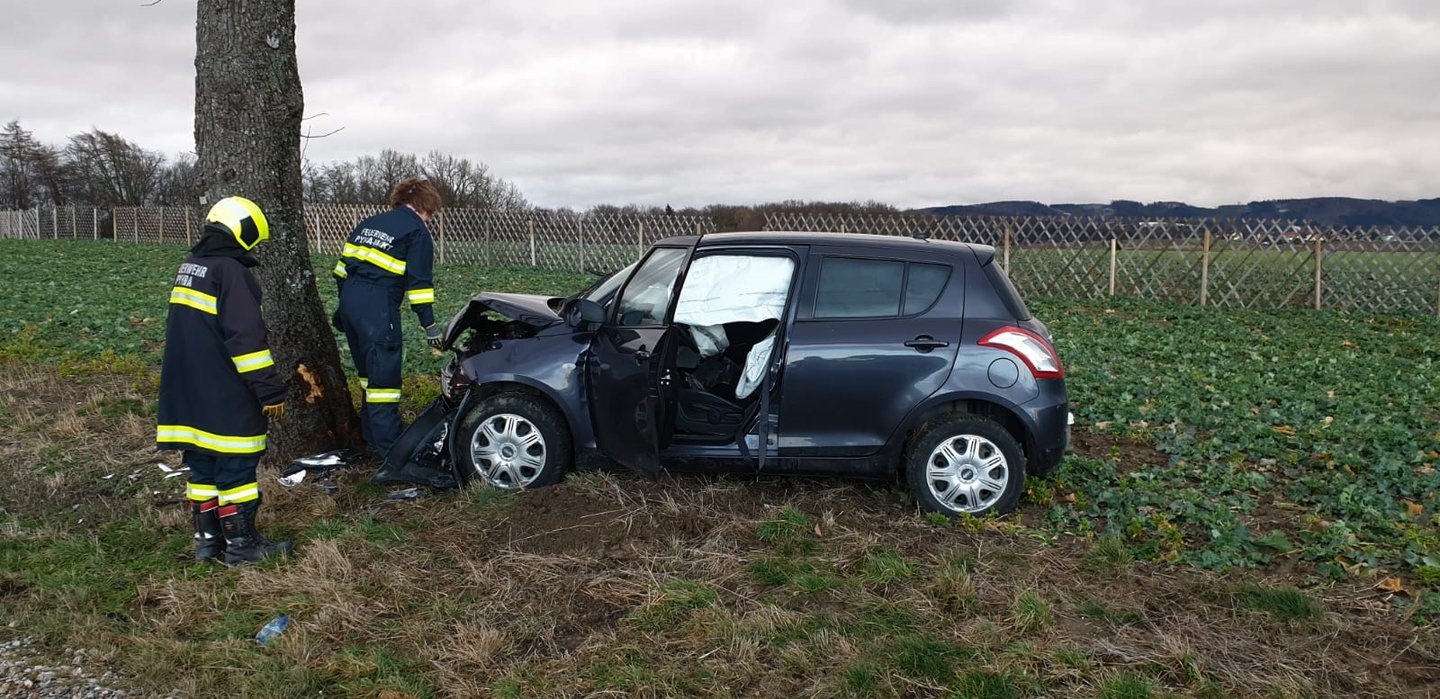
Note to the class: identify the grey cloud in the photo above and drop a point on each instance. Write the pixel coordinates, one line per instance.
(914, 103)
(930, 11)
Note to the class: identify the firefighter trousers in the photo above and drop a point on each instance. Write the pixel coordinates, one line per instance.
(227, 477)
(370, 318)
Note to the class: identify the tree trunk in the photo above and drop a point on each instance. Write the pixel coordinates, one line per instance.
(248, 108)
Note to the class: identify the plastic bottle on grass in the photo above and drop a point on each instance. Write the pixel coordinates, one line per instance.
(272, 629)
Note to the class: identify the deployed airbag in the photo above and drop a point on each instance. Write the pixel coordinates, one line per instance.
(728, 288)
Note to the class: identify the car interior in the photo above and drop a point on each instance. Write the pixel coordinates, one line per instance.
(727, 319)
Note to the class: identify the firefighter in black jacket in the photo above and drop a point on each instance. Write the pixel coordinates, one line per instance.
(218, 383)
(389, 258)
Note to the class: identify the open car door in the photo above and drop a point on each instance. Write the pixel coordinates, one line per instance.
(629, 374)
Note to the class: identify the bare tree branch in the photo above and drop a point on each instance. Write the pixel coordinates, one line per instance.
(305, 137)
(323, 135)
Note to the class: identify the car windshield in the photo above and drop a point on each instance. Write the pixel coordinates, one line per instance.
(601, 292)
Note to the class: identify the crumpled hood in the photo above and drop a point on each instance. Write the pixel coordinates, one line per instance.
(529, 309)
(526, 308)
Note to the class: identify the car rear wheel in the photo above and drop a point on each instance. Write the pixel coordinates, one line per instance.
(965, 464)
(511, 440)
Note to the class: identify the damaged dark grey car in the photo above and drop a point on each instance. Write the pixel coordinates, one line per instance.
(793, 353)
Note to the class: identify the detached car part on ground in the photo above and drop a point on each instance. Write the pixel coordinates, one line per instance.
(786, 353)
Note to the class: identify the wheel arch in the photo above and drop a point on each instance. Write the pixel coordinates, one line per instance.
(478, 394)
(1007, 416)
(577, 425)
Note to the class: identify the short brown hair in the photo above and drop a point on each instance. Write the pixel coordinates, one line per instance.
(418, 192)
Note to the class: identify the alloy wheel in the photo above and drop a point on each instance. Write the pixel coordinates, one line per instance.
(967, 473)
(508, 451)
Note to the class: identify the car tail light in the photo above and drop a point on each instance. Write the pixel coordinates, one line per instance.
(1032, 349)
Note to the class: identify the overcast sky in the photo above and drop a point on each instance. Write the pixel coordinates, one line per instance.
(918, 103)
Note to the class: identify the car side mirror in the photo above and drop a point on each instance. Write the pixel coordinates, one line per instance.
(584, 314)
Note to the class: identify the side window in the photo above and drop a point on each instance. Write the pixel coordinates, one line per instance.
(646, 295)
(924, 286)
(860, 288)
(855, 288)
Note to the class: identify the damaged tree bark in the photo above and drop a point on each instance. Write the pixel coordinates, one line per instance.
(248, 109)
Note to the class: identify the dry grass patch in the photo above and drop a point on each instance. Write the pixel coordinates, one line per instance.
(610, 584)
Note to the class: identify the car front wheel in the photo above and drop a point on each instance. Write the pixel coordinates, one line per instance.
(965, 464)
(511, 440)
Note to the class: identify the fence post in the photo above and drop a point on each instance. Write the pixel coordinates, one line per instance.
(1007, 247)
(55, 222)
(1114, 248)
(74, 225)
(440, 224)
(135, 222)
(582, 244)
(640, 240)
(1205, 270)
(162, 225)
(532, 243)
(488, 217)
(1318, 257)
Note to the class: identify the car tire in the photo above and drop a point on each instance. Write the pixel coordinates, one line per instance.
(512, 441)
(965, 464)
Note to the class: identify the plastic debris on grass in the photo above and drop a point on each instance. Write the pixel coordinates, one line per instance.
(318, 468)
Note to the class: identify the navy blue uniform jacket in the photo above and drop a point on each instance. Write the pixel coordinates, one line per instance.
(393, 249)
(217, 371)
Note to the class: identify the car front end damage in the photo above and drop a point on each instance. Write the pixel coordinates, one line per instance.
(489, 323)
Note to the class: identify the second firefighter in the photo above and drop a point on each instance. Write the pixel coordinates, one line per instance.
(388, 259)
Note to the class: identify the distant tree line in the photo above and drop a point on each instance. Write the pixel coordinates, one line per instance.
(103, 169)
(737, 217)
(94, 168)
(367, 180)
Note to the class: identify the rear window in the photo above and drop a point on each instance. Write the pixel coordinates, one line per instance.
(852, 287)
(1006, 291)
(924, 286)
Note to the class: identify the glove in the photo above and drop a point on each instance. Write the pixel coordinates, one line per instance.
(433, 335)
(275, 411)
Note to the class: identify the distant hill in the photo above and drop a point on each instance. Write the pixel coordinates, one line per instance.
(1329, 211)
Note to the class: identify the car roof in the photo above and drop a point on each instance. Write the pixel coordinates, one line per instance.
(862, 240)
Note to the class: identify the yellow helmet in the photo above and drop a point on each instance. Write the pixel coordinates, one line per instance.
(243, 218)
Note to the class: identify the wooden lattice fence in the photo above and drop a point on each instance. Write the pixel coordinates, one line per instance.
(1224, 263)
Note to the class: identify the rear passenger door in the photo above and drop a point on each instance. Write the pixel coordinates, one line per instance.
(875, 334)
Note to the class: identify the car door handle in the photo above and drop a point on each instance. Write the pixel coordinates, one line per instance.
(925, 343)
(641, 355)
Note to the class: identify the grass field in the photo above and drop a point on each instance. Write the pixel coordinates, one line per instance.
(1250, 510)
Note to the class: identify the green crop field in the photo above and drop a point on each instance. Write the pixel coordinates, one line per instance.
(1250, 510)
(1240, 276)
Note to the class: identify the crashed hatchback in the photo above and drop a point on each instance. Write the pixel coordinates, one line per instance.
(785, 353)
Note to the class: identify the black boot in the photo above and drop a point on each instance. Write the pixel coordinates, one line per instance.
(209, 537)
(242, 543)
